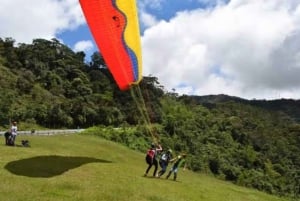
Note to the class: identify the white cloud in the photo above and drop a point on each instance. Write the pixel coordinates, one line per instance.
(147, 20)
(85, 45)
(26, 20)
(246, 48)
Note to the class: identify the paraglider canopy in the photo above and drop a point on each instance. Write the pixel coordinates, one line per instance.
(114, 26)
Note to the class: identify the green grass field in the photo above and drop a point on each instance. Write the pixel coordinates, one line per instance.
(88, 168)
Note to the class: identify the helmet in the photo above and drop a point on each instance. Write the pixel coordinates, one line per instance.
(170, 150)
(152, 145)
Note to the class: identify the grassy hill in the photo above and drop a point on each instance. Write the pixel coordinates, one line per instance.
(88, 168)
(289, 107)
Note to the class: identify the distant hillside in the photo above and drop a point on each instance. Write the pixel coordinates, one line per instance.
(289, 107)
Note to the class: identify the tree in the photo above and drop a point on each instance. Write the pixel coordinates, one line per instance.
(97, 60)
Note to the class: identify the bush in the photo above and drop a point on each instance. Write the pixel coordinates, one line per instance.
(214, 165)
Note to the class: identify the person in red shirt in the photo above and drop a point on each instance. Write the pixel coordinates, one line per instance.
(151, 158)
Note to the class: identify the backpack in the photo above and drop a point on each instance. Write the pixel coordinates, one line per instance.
(151, 153)
(25, 143)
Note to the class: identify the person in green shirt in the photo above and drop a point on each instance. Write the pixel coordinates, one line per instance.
(178, 161)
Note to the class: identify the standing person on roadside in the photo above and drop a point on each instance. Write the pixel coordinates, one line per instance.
(151, 158)
(14, 131)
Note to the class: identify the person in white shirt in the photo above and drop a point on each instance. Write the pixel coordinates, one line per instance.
(164, 161)
(14, 131)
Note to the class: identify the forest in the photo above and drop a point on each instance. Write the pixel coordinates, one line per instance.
(252, 143)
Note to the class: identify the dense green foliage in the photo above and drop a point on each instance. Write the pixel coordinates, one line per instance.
(251, 143)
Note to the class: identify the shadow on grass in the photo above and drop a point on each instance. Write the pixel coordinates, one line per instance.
(48, 166)
(161, 178)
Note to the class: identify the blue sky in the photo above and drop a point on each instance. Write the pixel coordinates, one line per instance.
(167, 9)
(244, 48)
(71, 37)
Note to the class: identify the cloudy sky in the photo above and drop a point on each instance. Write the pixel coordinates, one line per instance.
(244, 48)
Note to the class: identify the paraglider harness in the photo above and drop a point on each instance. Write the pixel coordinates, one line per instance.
(25, 143)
